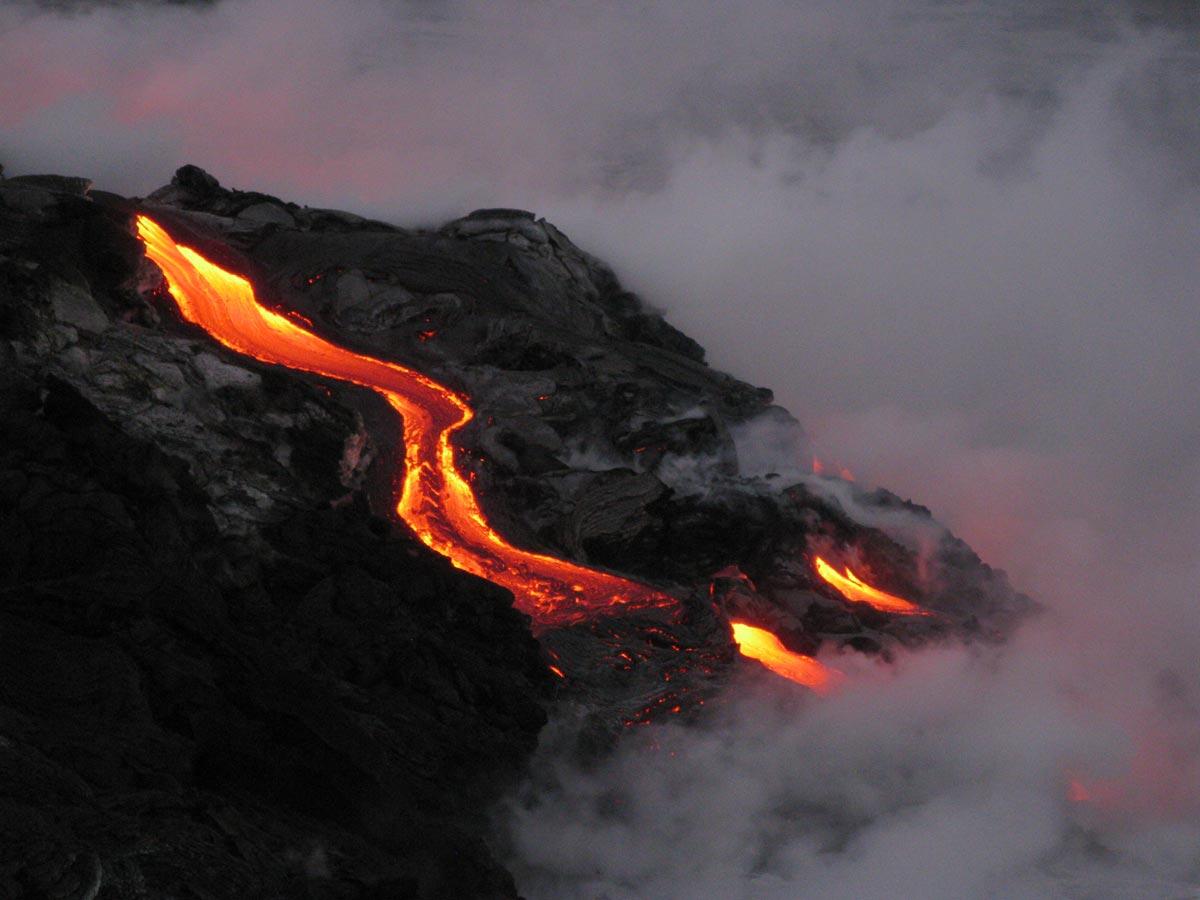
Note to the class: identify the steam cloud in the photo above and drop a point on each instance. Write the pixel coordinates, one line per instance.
(959, 241)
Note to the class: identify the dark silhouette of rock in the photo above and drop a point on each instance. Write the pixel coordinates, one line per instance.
(200, 703)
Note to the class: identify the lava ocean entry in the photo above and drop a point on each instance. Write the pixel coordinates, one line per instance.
(548, 453)
(204, 577)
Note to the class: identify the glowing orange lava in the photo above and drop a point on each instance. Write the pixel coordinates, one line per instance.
(436, 501)
(760, 644)
(854, 588)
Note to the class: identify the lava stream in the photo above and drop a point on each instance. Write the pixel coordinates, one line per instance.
(762, 645)
(854, 588)
(436, 501)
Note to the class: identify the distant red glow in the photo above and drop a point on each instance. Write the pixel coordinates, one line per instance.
(1105, 794)
(1160, 778)
(819, 466)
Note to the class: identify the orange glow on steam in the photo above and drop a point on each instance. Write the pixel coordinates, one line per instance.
(1096, 792)
(436, 501)
(854, 588)
(760, 644)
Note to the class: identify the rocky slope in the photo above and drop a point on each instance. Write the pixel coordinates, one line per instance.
(227, 674)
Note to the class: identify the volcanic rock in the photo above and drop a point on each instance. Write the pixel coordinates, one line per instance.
(225, 671)
(215, 682)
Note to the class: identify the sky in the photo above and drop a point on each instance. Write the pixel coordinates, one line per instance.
(959, 240)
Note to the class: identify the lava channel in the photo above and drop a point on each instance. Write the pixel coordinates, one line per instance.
(436, 501)
(854, 588)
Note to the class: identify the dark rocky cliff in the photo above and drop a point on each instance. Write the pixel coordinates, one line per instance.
(225, 673)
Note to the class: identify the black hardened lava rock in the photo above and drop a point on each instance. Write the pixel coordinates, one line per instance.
(225, 672)
(327, 716)
(240, 699)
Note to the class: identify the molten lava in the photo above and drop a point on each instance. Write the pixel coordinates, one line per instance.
(436, 501)
(854, 588)
(760, 644)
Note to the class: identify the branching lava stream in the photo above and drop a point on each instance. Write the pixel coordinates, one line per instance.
(435, 501)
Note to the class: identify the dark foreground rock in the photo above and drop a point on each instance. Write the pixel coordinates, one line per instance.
(224, 673)
(315, 707)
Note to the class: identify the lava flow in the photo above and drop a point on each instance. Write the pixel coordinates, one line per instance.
(436, 501)
(760, 644)
(854, 588)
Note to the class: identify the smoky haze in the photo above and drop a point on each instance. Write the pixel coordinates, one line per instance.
(960, 240)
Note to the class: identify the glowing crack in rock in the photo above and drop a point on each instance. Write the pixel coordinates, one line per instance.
(762, 645)
(436, 501)
(854, 588)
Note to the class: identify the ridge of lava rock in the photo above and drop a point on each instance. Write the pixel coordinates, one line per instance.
(211, 629)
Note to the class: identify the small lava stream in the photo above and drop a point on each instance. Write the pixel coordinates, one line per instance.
(760, 644)
(436, 501)
(854, 588)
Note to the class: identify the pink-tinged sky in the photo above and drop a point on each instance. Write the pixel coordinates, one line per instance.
(960, 241)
